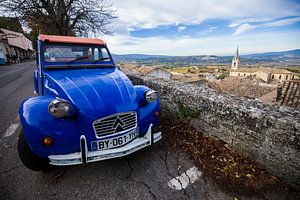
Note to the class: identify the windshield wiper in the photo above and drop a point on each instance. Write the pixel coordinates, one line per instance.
(79, 58)
(100, 59)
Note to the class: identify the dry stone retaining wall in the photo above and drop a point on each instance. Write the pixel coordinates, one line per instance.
(267, 134)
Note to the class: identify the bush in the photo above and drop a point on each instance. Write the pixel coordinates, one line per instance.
(222, 76)
(187, 112)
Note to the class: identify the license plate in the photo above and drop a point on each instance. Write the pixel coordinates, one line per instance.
(115, 141)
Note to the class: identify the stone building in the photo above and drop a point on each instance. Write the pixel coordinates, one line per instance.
(14, 46)
(160, 73)
(265, 74)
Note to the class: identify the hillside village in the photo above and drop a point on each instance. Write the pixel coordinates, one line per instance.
(258, 82)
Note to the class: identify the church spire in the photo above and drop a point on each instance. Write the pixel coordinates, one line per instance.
(235, 60)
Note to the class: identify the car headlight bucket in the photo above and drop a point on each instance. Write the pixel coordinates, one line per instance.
(151, 96)
(59, 108)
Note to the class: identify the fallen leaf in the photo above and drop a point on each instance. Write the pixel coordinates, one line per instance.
(249, 175)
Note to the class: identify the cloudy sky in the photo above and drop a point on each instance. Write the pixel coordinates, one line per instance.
(195, 27)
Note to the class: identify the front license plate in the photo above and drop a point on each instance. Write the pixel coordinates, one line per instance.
(115, 141)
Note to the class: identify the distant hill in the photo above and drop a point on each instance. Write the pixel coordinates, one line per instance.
(295, 52)
(291, 57)
(137, 56)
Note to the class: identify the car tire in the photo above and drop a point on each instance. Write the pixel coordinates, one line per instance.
(28, 158)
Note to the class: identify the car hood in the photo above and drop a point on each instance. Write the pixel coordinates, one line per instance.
(95, 93)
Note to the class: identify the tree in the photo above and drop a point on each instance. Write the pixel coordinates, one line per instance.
(11, 23)
(63, 17)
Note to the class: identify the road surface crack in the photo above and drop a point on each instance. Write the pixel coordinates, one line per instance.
(9, 170)
(170, 174)
(59, 175)
(190, 181)
(138, 181)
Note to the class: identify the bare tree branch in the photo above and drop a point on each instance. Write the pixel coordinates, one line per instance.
(63, 17)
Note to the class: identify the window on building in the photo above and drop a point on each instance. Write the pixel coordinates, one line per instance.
(273, 76)
(234, 64)
(279, 76)
(239, 74)
(286, 77)
(244, 74)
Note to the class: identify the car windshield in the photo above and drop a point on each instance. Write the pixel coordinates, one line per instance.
(68, 54)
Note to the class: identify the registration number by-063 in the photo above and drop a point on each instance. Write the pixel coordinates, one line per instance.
(115, 141)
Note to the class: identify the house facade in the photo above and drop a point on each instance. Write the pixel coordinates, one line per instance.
(160, 73)
(14, 46)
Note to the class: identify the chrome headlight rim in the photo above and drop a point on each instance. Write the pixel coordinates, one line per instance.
(59, 108)
(151, 96)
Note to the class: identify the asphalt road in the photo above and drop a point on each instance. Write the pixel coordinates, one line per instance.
(147, 174)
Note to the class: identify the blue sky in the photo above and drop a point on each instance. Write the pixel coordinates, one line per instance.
(195, 27)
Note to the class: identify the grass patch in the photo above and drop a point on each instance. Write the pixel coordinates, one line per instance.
(187, 112)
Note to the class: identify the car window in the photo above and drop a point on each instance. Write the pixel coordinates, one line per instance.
(71, 53)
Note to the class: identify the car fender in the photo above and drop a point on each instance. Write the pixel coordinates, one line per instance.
(146, 110)
(37, 123)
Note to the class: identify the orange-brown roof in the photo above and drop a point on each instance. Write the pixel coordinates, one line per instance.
(69, 39)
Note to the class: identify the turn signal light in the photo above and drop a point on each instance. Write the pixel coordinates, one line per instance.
(47, 141)
(156, 114)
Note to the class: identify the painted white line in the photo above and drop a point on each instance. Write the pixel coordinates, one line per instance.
(11, 129)
(182, 181)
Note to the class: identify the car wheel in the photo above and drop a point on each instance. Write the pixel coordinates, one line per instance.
(28, 158)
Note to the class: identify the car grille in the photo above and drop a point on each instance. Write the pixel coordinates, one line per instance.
(115, 123)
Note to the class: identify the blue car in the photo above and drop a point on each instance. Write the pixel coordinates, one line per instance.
(86, 109)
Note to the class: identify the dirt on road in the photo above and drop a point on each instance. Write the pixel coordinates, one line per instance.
(230, 170)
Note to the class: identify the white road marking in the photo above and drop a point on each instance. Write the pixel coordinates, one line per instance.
(182, 181)
(11, 129)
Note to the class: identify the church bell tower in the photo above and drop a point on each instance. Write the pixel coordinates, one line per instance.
(236, 60)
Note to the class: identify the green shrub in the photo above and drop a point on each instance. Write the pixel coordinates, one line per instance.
(222, 76)
(187, 112)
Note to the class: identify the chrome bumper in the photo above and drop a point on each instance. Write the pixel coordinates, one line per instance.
(86, 156)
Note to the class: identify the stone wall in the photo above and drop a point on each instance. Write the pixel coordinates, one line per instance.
(267, 134)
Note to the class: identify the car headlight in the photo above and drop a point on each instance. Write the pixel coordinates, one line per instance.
(59, 108)
(151, 96)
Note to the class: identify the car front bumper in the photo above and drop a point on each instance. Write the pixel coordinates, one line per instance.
(85, 156)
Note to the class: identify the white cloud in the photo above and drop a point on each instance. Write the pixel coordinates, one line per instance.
(283, 22)
(233, 24)
(152, 13)
(137, 15)
(221, 45)
(243, 28)
(247, 27)
(181, 28)
(241, 21)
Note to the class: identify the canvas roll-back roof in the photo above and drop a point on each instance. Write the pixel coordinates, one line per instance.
(70, 39)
